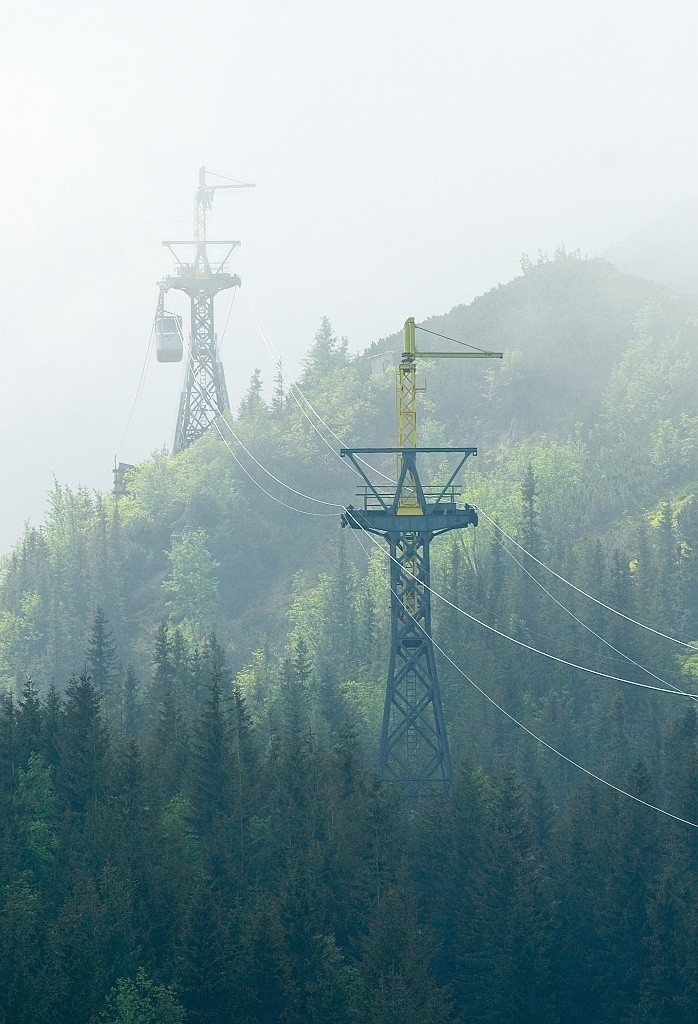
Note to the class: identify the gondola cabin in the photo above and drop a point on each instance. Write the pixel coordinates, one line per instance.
(168, 339)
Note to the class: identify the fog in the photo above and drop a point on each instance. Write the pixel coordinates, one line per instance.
(404, 156)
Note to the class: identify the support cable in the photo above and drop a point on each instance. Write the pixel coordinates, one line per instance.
(296, 390)
(227, 319)
(224, 177)
(628, 618)
(137, 396)
(293, 387)
(455, 341)
(529, 647)
(584, 625)
(668, 688)
(535, 736)
(301, 494)
(279, 501)
(290, 384)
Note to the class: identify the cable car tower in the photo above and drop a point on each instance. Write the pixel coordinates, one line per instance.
(204, 394)
(414, 746)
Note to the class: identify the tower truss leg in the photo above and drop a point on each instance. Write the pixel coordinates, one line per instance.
(204, 395)
(414, 745)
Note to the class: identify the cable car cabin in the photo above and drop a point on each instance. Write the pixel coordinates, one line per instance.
(168, 339)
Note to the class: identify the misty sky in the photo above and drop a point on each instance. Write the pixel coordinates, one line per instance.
(405, 155)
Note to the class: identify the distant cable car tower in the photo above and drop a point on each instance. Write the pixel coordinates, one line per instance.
(204, 394)
(414, 745)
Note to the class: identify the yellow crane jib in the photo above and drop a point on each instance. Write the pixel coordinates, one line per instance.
(409, 503)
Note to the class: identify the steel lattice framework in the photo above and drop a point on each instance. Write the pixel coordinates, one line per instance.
(204, 394)
(414, 746)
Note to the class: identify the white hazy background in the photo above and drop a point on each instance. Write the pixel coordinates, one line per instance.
(405, 154)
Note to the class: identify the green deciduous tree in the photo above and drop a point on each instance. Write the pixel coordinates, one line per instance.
(141, 1001)
(193, 584)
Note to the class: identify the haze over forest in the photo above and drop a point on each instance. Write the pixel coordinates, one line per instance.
(166, 795)
(193, 829)
(404, 158)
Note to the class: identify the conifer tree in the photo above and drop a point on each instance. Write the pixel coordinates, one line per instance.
(102, 664)
(162, 661)
(530, 532)
(278, 400)
(51, 726)
(296, 672)
(668, 568)
(21, 997)
(322, 353)
(688, 576)
(252, 404)
(9, 752)
(169, 748)
(83, 747)
(398, 980)
(681, 777)
(29, 729)
(207, 960)
(333, 988)
(36, 800)
(211, 760)
(130, 703)
(162, 681)
(245, 774)
(267, 989)
(128, 803)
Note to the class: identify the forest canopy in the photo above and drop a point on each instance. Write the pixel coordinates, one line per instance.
(193, 678)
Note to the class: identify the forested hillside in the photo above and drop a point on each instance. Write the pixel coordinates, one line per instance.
(596, 394)
(192, 818)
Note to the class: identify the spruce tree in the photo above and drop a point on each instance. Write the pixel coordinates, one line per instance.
(397, 975)
(252, 404)
(83, 748)
(530, 531)
(103, 666)
(211, 761)
(278, 399)
(130, 703)
(29, 728)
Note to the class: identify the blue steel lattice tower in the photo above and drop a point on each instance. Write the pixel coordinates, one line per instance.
(414, 746)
